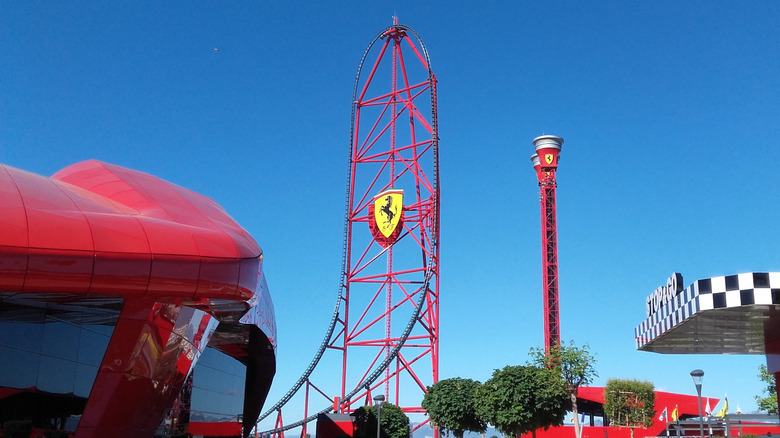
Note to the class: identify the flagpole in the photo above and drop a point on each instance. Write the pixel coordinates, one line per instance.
(676, 419)
(666, 420)
(665, 416)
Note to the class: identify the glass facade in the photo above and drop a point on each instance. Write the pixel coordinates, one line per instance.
(50, 356)
(217, 388)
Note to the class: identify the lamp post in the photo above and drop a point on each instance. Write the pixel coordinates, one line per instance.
(697, 376)
(378, 400)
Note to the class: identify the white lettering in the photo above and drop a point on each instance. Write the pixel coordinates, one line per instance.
(664, 294)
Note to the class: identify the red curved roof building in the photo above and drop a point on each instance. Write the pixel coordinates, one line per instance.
(113, 283)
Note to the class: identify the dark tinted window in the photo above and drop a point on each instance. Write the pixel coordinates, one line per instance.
(217, 388)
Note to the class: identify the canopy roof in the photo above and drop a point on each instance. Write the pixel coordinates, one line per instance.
(732, 314)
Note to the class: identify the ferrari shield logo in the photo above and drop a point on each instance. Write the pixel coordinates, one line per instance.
(548, 158)
(386, 216)
(387, 210)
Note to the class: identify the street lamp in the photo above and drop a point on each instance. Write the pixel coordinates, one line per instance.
(698, 376)
(378, 400)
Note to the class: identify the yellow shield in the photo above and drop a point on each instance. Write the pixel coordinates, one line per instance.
(548, 158)
(388, 207)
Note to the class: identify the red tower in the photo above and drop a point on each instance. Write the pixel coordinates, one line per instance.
(389, 334)
(545, 162)
(385, 326)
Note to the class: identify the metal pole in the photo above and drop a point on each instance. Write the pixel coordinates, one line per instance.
(701, 417)
(698, 376)
(378, 401)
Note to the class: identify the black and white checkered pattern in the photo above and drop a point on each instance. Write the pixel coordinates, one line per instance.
(752, 288)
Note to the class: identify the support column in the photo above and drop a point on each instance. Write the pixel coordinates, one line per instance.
(144, 368)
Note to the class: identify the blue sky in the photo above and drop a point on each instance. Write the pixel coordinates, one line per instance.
(670, 113)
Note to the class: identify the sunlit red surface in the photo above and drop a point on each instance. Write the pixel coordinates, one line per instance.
(184, 271)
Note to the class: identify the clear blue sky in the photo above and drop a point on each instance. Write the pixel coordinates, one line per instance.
(670, 112)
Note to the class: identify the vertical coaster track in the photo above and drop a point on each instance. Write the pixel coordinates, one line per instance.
(384, 332)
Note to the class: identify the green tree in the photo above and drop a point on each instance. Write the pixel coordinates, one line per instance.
(394, 422)
(575, 366)
(629, 403)
(450, 406)
(768, 403)
(522, 399)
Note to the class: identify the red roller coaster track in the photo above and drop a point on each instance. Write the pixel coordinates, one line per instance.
(385, 326)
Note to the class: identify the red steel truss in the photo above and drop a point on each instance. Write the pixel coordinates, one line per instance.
(391, 300)
(545, 162)
(385, 325)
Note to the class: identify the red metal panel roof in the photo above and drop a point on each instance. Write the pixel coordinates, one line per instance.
(101, 228)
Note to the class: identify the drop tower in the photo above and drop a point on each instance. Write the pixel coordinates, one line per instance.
(545, 162)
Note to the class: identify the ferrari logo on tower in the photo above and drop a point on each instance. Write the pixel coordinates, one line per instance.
(548, 158)
(387, 210)
(386, 216)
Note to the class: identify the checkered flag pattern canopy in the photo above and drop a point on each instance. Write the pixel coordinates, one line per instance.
(725, 314)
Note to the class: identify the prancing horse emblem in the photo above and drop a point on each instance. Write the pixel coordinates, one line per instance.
(387, 214)
(388, 211)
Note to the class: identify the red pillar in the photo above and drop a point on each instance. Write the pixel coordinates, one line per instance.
(545, 163)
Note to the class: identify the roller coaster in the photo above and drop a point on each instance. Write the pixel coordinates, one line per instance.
(384, 330)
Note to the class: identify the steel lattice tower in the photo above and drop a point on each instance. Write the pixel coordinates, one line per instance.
(545, 162)
(391, 318)
(385, 324)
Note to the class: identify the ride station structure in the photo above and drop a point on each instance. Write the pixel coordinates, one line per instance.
(726, 314)
(545, 162)
(116, 288)
(384, 331)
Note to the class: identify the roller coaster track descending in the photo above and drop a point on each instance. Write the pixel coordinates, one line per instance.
(384, 331)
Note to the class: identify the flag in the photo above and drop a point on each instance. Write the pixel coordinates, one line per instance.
(662, 417)
(707, 409)
(675, 413)
(725, 409)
